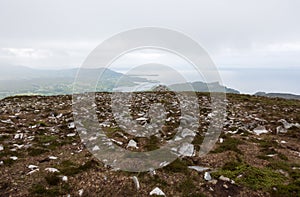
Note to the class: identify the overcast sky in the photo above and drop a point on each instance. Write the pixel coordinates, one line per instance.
(263, 36)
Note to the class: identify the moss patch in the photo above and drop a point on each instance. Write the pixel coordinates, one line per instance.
(249, 176)
(177, 166)
(229, 144)
(68, 168)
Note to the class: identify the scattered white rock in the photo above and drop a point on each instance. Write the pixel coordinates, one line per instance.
(32, 127)
(188, 133)
(93, 138)
(232, 132)
(287, 125)
(52, 157)
(18, 146)
(1, 147)
(260, 130)
(141, 114)
(71, 134)
(80, 192)
(71, 125)
(32, 171)
(213, 181)
(64, 178)
(136, 182)
(96, 148)
(1, 163)
(141, 119)
(32, 167)
(198, 168)
(132, 144)
(281, 129)
(207, 176)
(117, 142)
(186, 149)
(152, 171)
(163, 164)
(19, 136)
(14, 158)
(283, 142)
(225, 186)
(9, 121)
(223, 178)
(157, 191)
(52, 170)
(221, 140)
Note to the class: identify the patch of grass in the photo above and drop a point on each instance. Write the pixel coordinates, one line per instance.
(68, 168)
(229, 144)
(177, 166)
(277, 165)
(267, 143)
(232, 165)
(198, 139)
(293, 132)
(5, 152)
(52, 179)
(286, 166)
(156, 180)
(40, 190)
(263, 157)
(282, 156)
(8, 162)
(187, 186)
(292, 189)
(249, 176)
(36, 151)
(152, 143)
(110, 132)
(41, 123)
(46, 138)
(3, 137)
(268, 151)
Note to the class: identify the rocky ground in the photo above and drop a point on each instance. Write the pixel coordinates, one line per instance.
(257, 154)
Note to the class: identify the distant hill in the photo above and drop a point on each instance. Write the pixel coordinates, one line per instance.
(16, 80)
(203, 87)
(278, 95)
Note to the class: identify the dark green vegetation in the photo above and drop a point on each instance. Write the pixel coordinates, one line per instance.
(230, 144)
(252, 177)
(68, 168)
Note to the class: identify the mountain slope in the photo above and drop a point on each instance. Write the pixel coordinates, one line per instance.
(203, 87)
(278, 95)
(22, 80)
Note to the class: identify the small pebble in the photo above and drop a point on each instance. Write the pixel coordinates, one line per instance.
(64, 178)
(157, 191)
(80, 192)
(207, 176)
(14, 158)
(52, 170)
